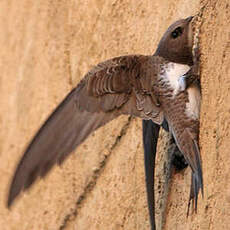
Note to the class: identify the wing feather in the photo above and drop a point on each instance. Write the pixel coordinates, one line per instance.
(106, 92)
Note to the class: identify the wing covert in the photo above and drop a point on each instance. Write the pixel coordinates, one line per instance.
(107, 91)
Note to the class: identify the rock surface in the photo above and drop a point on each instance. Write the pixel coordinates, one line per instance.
(46, 48)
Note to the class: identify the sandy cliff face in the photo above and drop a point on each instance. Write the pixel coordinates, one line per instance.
(46, 48)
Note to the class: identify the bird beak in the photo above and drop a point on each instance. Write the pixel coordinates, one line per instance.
(189, 19)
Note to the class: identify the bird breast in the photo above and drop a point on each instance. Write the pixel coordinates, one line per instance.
(173, 76)
(193, 104)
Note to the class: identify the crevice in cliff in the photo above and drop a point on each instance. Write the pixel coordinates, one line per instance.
(163, 181)
(96, 175)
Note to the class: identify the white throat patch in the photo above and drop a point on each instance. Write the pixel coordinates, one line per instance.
(173, 75)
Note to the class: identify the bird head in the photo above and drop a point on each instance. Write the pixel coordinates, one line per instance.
(176, 44)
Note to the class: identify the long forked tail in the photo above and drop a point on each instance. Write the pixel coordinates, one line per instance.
(190, 149)
(194, 191)
(196, 181)
(64, 130)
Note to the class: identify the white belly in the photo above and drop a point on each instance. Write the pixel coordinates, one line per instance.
(173, 76)
(193, 106)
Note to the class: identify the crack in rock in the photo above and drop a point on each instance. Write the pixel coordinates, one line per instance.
(89, 187)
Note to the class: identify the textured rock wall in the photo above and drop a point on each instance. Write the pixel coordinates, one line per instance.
(213, 209)
(46, 48)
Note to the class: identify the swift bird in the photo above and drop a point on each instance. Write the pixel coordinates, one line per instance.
(151, 134)
(150, 87)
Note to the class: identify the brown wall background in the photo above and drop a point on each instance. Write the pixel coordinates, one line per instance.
(46, 48)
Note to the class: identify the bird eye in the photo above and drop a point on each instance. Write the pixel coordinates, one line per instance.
(177, 32)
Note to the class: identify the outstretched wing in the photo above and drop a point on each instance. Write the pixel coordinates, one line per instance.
(114, 87)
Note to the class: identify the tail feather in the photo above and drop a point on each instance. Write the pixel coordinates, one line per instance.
(196, 182)
(198, 174)
(189, 147)
(193, 196)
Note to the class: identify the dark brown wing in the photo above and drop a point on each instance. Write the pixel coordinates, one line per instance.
(114, 87)
(150, 138)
